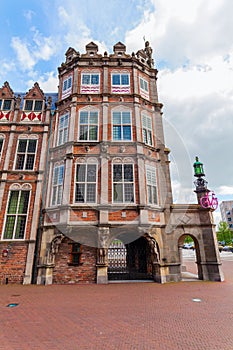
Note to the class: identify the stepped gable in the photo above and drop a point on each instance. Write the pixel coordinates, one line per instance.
(35, 93)
(6, 92)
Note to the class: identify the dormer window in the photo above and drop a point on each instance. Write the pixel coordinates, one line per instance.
(33, 105)
(5, 105)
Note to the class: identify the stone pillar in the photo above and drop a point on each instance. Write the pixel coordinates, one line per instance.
(102, 255)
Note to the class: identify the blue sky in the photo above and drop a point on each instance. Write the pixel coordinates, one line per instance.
(193, 51)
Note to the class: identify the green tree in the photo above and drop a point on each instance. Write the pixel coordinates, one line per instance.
(224, 233)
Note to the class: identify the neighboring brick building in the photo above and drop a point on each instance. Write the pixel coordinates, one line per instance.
(108, 211)
(24, 127)
(226, 208)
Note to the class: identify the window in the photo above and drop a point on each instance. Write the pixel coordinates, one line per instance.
(88, 126)
(58, 175)
(123, 183)
(5, 105)
(75, 254)
(63, 129)
(16, 215)
(1, 145)
(151, 185)
(120, 83)
(229, 219)
(90, 83)
(147, 130)
(121, 126)
(67, 83)
(144, 85)
(25, 157)
(86, 178)
(33, 105)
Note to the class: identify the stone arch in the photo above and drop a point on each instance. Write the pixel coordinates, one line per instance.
(197, 250)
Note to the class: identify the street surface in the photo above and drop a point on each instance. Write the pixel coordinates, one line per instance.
(136, 316)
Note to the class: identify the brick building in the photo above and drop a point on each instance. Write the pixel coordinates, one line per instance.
(108, 211)
(24, 126)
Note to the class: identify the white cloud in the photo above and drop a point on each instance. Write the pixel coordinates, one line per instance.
(225, 190)
(29, 14)
(23, 53)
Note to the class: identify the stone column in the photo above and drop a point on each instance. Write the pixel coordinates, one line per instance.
(102, 255)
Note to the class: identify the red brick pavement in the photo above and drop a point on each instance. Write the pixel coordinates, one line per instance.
(134, 316)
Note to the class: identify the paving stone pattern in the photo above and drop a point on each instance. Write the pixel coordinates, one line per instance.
(134, 316)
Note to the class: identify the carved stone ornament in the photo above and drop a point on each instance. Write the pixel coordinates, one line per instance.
(54, 246)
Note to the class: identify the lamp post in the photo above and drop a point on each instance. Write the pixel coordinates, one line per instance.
(200, 183)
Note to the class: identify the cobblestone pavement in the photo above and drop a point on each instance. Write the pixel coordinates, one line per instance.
(135, 316)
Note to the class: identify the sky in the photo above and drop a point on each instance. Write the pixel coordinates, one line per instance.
(193, 52)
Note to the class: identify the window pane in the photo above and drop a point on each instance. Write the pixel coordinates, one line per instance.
(149, 194)
(81, 173)
(38, 106)
(116, 118)
(86, 79)
(79, 195)
(28, 105)
(117, 172)
(116, 132)
(128, 172)
(32, 146)
(54, 195)
(126, 133)
(13, 201)
(83, 132)
(9, 227)
(129, 193)
(91, 173)
(20, 161)
(116, 79)
(149, 137)
(20, 227)
(22, 146)
(30, 162)
(59, 194)
(60, 175)
(1, 143)
(93, 117)
(95, 79)
(64, 85)
(154, 194)
(69, 82)
(6, 105)
(93, 133)
(83, 118)
(144, 135)
(91, 192)
(23, 203)
(126, 118)
(0, 104)
(118, 193)
(125, 79)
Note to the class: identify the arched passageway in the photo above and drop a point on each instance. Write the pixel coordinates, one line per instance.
(131, 261)
(189, 251)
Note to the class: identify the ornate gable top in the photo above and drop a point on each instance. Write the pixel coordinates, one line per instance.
(6, 91)
(35, 93)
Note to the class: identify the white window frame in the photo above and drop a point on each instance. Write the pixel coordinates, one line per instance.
(147, 130)
(2, 102)
(144, 85)
(120, 88)
(90, 87)
(123, 183)
(26, 154)
(122, 125)
(151, 185)
(57, 187)
(85, 183)
(67, 86)
(63, 129)
(17, 214)
(88, 125)
(33, 106)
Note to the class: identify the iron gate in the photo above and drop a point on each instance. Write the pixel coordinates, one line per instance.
(129, 262)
